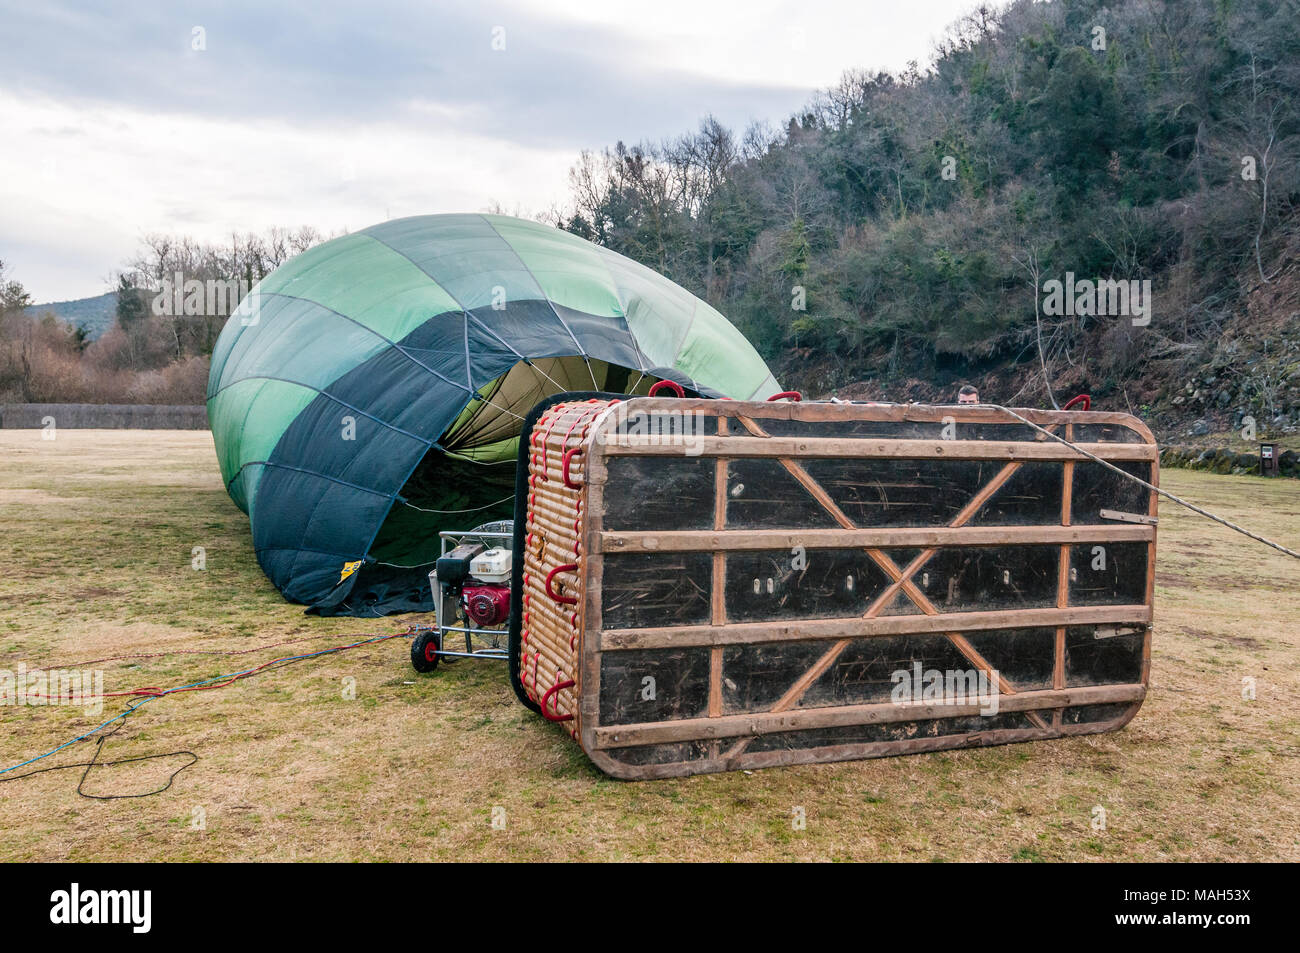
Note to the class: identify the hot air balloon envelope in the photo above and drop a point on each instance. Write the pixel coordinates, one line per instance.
(368, 393)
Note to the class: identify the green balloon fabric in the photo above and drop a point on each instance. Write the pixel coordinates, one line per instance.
(368, 393)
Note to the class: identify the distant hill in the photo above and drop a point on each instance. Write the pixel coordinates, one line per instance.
(96, 315)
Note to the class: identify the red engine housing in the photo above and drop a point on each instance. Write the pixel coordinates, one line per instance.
(485, 603)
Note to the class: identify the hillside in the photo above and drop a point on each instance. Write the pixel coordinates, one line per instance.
(96, 314)
(903, 233)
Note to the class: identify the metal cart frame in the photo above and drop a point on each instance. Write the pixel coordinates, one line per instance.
(499, 534)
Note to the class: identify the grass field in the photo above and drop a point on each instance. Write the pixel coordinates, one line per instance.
(98, 529)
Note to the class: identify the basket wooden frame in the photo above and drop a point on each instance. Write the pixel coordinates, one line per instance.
(568, 495)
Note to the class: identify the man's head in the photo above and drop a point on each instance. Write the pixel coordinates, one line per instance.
(968, 395)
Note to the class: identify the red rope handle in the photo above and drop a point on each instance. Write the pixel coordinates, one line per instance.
(793, 395)
(565, 461)
(563, 600)
(546, 699)
(585, 420)
(1084, 399)
(676, 388)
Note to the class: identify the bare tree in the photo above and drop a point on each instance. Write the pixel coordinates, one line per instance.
(1266, 131)
(1030, 263)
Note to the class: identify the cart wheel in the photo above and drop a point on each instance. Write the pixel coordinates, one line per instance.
(424, 651)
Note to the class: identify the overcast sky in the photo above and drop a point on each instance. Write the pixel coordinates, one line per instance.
(118, 119)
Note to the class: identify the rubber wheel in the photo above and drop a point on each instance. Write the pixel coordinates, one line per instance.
(424, 651)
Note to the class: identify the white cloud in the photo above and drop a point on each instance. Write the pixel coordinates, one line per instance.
(356, 120)
(806, 43)
(69, 200)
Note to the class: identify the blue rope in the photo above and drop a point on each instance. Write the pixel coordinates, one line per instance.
(135, 705)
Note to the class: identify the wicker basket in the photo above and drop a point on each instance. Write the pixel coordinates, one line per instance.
(715, 585)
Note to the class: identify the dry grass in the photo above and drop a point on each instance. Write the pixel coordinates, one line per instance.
(98, 529)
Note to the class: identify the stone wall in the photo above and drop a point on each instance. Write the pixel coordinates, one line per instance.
(104, 416)
(1224, 460)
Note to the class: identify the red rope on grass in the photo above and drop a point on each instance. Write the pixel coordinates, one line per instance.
(155, 692)
(120, 658)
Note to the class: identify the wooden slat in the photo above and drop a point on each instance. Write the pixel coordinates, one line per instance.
(917, 745)
(762, 723)
(1063, 577)
(918, 413)
(588, 658)
(821, 754)
(719, 590)
(1058, 662)
(857, 448)
(715, 681)
(855, 627)
(719, 617)
(737, 540)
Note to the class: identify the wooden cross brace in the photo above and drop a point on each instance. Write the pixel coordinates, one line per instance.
(901, 582)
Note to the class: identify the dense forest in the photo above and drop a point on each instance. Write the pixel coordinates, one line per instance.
(916, 218)
(897, 235)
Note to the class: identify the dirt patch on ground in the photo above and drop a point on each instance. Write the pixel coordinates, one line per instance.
(1244, 641)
